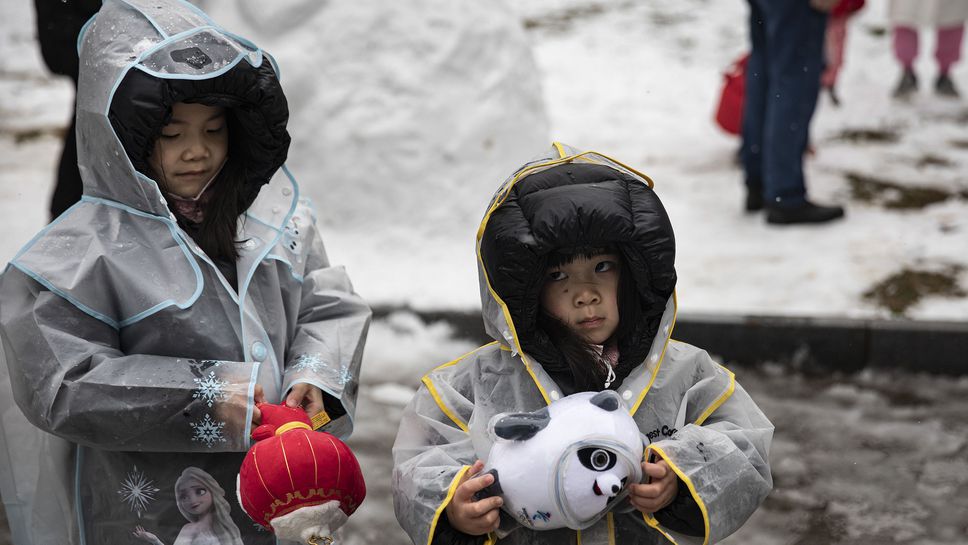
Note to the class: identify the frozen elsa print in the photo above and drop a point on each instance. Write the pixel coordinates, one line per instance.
(202, 502)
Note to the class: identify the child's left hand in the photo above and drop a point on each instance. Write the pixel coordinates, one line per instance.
(307, 396)
(651, 497)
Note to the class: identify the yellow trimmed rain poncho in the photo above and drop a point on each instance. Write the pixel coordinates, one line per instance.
(689, 409)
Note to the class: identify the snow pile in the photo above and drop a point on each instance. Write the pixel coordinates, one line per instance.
(405, 117)
(401, 348)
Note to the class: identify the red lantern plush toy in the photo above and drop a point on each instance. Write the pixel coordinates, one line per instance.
(298, 483)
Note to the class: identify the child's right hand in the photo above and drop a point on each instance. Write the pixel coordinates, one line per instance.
(141, 533)
(258, 397)
(474, 517)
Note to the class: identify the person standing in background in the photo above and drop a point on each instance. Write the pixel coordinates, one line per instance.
(58, 24)
(782, 85)
(836, 38)
(948, 18)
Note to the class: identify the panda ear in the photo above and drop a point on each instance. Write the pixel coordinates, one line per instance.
(521, 426)
(605, 400)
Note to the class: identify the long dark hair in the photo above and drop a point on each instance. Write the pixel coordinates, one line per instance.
(216, 233)
(582, 359)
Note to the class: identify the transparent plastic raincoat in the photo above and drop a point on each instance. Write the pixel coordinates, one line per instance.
(690, 410)
(129, 351)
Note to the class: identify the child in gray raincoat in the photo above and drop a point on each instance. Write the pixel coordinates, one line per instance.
(576, 261)
(140, 328)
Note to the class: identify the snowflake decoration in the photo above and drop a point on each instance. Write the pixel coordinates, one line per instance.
(210, 389)
(137, 491)
(208, 431)
(309, 362)
(344, 376)
(199, 366)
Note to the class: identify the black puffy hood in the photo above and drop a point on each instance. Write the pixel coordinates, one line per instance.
(138, 58)
(258, 114)
(574, 200)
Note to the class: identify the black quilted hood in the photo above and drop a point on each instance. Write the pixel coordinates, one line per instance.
(257, 113)
(579, 204)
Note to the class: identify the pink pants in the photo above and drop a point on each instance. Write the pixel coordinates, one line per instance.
(833, 47)
(947, 52)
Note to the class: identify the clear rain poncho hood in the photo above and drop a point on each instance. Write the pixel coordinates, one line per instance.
(126, 346)
(690, 411)
(175, 54)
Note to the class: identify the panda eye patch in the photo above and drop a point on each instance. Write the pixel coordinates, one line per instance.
(597, 459)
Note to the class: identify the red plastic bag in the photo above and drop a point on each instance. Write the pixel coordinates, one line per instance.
(729, 114)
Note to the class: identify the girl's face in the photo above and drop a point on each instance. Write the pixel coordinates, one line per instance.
(583, 295)
(190, 149)
(194, 498)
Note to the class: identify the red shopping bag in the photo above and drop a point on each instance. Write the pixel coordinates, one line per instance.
(729, 114)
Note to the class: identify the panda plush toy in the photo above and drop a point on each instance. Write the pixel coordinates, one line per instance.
(567, 464)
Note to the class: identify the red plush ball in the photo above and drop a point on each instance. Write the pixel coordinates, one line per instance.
(295, 481)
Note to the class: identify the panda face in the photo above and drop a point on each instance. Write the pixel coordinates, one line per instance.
(601, 460)
(565, 464)
(591, 478)
(597, 459)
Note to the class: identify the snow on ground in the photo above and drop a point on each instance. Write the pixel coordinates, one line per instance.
(635, 80)
(640, 80)
(873, 458)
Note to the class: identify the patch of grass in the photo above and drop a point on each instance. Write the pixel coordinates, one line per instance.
(934, 161)
(665, 18)
(876, 30)
(876, 136)
(905, 288)
(894, 196)
(957, 143)
(28, 135)
(563, 21)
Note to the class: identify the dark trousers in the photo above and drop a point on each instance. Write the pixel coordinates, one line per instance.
(782, 84)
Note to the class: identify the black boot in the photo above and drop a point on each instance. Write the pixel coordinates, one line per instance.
(805, 213)
(754, 196)
(907, 85)
(834, 97)
(945, 87)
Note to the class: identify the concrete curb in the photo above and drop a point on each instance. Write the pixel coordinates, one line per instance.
(807, 344)
(831, 344)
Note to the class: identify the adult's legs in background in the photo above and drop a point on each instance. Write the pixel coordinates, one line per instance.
(947, 53)
(906, 51)
(834, 42)
(754, 110)
(905, 45)
(786, 73)
(794, 36)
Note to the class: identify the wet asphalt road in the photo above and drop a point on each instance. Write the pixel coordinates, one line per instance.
(871, 458)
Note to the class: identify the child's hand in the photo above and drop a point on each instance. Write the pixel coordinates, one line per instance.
(307, 396)
(141, 533)
(468, 515)
(258, 397)
(649, 498)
